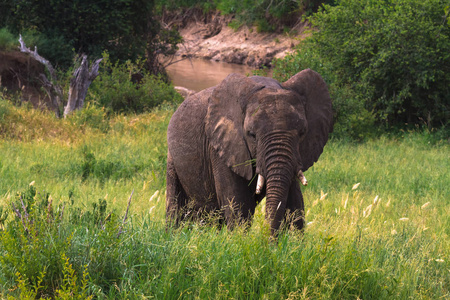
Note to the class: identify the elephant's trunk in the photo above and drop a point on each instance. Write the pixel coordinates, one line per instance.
(280, 167)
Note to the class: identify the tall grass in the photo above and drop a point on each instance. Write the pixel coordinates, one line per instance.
(377, 220)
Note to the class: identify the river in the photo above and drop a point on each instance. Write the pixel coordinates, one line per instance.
(197, 74)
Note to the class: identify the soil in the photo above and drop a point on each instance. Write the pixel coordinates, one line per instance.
(214, 39)
(20, 72)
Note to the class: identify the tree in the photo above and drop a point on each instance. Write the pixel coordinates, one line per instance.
(79, 83)
(395, 54)
(388, 57)
(124, 28)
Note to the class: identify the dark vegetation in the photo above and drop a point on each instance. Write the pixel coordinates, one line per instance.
(266, 15)
(126, 29)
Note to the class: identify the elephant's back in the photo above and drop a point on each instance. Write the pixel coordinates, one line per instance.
(189, 118)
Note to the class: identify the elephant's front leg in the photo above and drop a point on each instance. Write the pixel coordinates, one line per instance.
(235, 197)
(295, 208)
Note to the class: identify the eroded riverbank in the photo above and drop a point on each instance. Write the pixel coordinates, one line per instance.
(216, 41)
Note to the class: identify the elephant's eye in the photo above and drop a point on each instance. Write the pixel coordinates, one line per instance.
(252, 134)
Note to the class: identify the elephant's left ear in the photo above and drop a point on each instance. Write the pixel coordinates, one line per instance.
(225, 119)
(319, 113)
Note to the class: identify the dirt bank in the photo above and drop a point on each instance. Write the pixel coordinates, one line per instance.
(20, 73)
(214, 39)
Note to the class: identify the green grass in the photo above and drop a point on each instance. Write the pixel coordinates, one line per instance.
(386, 238)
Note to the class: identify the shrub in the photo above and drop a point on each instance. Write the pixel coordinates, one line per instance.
(395, 54)
(7, 40)
(391, 58)
(126, 88)
(351, 117)
(33, 247)
(44, 252)
(52, 47)
(4, 109)
(90, 116)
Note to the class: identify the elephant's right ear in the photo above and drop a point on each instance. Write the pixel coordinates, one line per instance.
(225, 119)
(319, 113)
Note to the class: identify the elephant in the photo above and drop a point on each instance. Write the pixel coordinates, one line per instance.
(247, 138)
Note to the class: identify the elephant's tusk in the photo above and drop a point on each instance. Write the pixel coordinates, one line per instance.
(302, 178)
(259, 184)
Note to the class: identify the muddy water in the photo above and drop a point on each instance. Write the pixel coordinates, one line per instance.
(197, 74)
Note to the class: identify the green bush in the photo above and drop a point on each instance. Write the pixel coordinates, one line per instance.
(105, 169)
(387, 59)
(351, 117)
(7, 40)
(4, 109)
(264, 14)
(90, 116)
(171, 5)
(128, 88)
(51, 46)
(395, 54)
(34, 246)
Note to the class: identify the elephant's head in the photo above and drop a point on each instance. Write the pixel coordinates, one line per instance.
(276, 131)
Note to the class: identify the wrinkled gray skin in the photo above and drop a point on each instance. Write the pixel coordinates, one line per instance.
(222, 138)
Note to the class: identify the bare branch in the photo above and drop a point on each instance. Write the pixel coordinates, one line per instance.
(54, 91)
(36, 56)
(93, 73)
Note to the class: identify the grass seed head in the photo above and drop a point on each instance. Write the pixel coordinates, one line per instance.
(155, 194)
(425, 205)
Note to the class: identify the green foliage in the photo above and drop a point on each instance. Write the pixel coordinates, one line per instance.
(52, 46)
(33, 247)
(90, 116)
(393, 56)
(4, 111)
(265, 15)
(173, 5)
(351, 119)
(125, 28)
(7, 40)
(105, 168)
(71, 287)
(128, 88)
